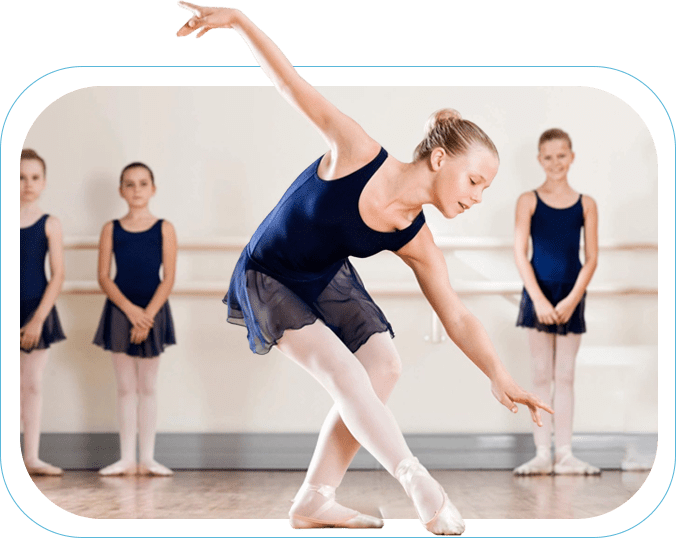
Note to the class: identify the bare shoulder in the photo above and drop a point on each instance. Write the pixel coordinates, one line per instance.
(588, 203)
(526, 202)
(168, 228)
(52, 225)
(344, 159)
(419, 249)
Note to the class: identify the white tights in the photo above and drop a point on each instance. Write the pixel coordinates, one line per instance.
(359, 384)
(137, 411)
(554, 368)
(31, 372)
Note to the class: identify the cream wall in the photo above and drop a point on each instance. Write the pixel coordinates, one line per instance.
(222, 157)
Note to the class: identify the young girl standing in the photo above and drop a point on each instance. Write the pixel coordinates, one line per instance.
(552, 306)
(40, 326)
(136, 324)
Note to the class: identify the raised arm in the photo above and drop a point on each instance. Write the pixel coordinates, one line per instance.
(347, 141)
(429, 266)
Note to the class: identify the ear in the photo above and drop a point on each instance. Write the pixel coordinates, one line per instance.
(572, 156)
(436, 158)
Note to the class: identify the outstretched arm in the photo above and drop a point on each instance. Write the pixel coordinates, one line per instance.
(429, 267)
(348, 142)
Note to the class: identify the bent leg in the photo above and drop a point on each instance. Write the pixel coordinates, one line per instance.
(324, 356)
(336, 447)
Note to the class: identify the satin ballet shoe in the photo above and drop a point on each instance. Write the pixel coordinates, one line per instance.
(320, 518)
(541, 464)
(569, 464)
(44, 469)
(447, 519)
(154, 469)
(119, 469)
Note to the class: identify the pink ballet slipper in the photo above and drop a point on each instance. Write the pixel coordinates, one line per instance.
(154, 469)
(44, 469)
(447, 520)
(321, 517)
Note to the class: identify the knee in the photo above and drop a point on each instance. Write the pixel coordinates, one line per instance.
(386, 372)
(146, 390)
(126, 390)
(565, 378)
(30, 388)
(542, 375)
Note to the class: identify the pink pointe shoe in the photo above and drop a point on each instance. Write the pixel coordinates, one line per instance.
(447, 520)
(342, 518)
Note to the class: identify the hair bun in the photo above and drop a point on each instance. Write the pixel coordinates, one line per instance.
(441, 116)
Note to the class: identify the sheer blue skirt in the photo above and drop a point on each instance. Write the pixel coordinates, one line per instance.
(554, 292)
(51, 328)
(267, 307)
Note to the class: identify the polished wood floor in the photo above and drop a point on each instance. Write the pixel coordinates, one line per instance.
(267, 494)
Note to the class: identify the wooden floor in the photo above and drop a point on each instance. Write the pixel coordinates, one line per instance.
(267, 494)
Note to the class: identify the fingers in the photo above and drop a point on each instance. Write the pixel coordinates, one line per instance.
(190, 7)
(535, 415)
(189, 27)
(204, 31)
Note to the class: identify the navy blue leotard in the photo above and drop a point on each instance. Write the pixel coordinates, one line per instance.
(556, 262)
(33, 251)
(138, 258)
(295, 268)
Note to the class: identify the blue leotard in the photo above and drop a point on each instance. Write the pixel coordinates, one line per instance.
(138, 258)
(556, 263)
(33, 251)
(295, 268)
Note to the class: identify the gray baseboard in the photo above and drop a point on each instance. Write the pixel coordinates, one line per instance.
(293, 451)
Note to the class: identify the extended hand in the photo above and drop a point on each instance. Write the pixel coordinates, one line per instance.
(206, 18)
(508, 393)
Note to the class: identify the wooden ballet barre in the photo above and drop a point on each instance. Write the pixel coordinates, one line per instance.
(237, 244)
(197, 289)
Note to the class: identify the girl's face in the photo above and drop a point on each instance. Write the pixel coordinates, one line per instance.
(32, 180)
(463, 179)
(137, 187)
(555, 157)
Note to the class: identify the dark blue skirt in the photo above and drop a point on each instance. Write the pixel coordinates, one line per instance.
(268, 308)
(51, 328)
(114, 332)
(554, 292)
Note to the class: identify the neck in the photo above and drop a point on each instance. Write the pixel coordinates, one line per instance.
(556, 185)
(138, 213)
(412, 186)
(29, 207)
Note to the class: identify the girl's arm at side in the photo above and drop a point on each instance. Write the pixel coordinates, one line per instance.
(525, 207)
(591, 255)
(54, 235)
(168, 269)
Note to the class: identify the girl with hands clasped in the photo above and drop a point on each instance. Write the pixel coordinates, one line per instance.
(136, 324)
(552, 306)
(40, 326)
(295, 288)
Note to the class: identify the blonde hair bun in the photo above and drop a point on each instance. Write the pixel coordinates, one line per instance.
(446, 129)
(441, 116)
